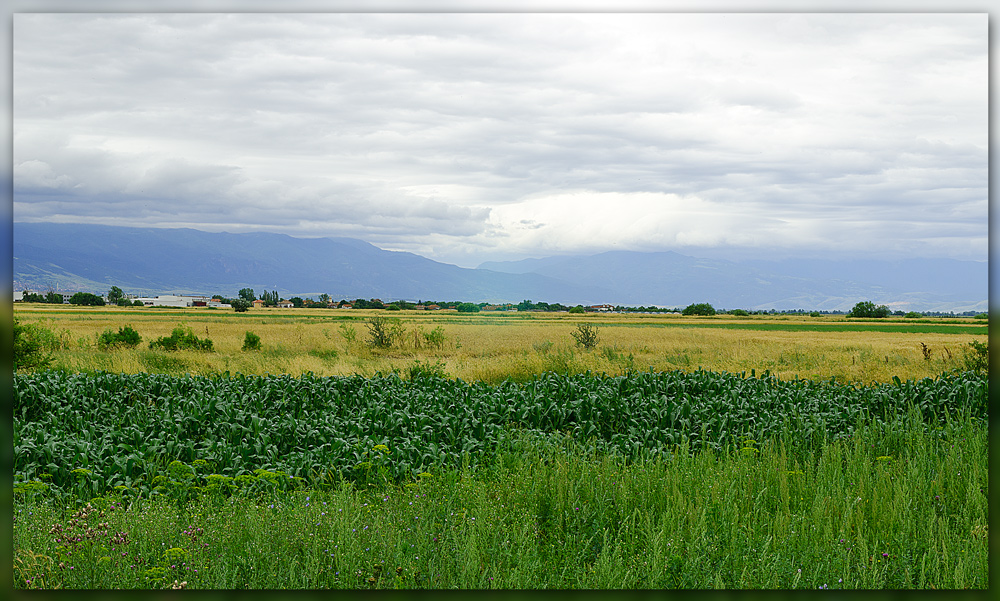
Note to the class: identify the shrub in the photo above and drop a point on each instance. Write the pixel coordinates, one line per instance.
(28, 351)
(814, 314)
(348, 333)
(577, 309)
(427, 370)
(181, 339)
(698, 309)
(239, 305)
(251, 342)
(585, 335)
(383, 331)
(125, 337)
(911, 315)
(977, 357)
(435, 337)
(739, 312)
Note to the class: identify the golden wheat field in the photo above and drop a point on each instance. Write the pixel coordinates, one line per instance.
(494, 346)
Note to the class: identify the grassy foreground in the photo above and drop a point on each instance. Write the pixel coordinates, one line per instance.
(888, 508)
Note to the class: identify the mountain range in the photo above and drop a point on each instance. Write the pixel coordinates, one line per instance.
(92, 258)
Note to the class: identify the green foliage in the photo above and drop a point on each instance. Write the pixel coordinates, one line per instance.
(911, 315)
(814, 314)
(348, 333)
(982, 316)
(29, 352)
(435, 337)
(577, 309)
(739, 312)
(251, 342)
(125, 337)
(54, 298)
(86, 299)
(698, 309)
(427, 370)
(977, 357)
(869, 309)
(181, 339)
(270, 298)
(115, 295)
(240, 305)
(296, 424)
(585, 335)
(468, 308)
(383, 332)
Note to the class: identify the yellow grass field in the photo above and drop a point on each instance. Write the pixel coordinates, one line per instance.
(492, 346)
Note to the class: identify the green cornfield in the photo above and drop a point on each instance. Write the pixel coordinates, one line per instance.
(675, 479)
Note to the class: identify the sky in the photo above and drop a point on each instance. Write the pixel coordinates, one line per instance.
(470, 137)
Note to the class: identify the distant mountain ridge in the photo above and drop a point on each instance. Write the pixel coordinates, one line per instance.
(156, 261)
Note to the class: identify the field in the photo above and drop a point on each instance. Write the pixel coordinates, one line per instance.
(490, 451)
(492, 347)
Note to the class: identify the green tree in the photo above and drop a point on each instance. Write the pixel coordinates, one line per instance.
(53, 298)
(248, 295)
(86, 299)
(869, 309)
(577, 309)
(324, 299)
(115, 295)
(468, 308)
(698, 309)
(240, 305)
(297, 302)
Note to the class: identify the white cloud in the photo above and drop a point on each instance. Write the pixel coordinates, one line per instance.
(472, 136)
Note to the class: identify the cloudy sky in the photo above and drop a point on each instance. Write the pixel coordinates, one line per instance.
(474, 137)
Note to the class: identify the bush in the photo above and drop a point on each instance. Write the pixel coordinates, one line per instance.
(585, 335)
(251, 342)
(814, 314)
(383, 332)
(911, 315)
(239, 305)
(435, 337)
(181, 339)
(29, 352)
(698, 309)
(427, 370)
(125, 337)
(869, 309)
(577, 309)
(977, 357)
(739, 312)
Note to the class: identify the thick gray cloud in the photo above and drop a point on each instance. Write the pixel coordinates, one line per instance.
(467, 137)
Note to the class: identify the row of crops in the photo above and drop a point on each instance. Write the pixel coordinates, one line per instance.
(108, 430)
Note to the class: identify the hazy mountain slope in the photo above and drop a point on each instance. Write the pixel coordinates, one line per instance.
(674, 279)
(184, 260)
(143, 260)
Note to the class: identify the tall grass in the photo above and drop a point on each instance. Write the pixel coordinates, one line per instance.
(492, 347)
(884, 509)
